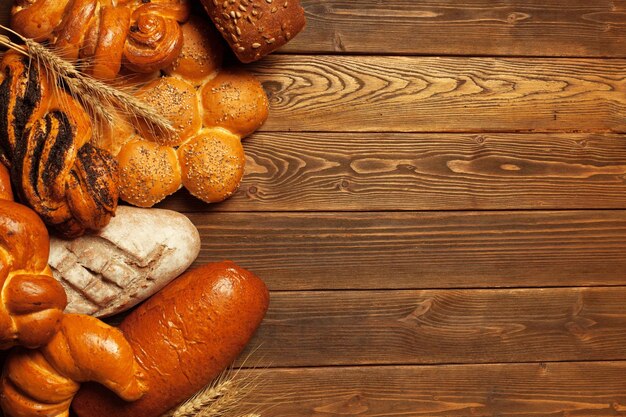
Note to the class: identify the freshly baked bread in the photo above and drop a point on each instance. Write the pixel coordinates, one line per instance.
(175, 99)
(202, 52)
(44, 139)
(43, 382)
(234, 100)
(206, 156)
(126, 262)
(255, 28)
(149, 172)
(31, 301)
(143, 35)
(184, 337)
(212, 164)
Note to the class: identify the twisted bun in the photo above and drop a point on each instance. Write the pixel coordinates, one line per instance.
(144, 36)
(31, 301)
(44, 136)
(43, 382)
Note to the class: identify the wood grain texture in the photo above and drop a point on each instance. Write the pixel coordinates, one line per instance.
(445, 326)
(382, 171)
(546, 390)
(391, 250)
(425, 94)
(465, 27)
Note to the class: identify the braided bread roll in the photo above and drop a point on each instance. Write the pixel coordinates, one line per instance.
(211, 108)
(31, 301)
(145, 36)
(44, 139)
(43, 382)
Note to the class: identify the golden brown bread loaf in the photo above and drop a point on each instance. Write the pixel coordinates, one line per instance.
(255, 28)
(184, 337)
(43, 382)
(212, 110)
(145, 36)
(32, 302)
(44, 140)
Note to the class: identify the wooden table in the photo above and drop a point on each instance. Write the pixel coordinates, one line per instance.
(438, 203)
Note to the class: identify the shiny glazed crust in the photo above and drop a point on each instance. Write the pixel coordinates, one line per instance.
(184, 337)
(44, 138)
(32, 302)
(212, 110)
(43, 382)
(144, 36)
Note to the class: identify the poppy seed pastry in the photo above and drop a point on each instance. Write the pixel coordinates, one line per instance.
(255, 28)
(45, 142)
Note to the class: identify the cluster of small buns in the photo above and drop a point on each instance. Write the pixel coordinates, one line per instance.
(211, 108)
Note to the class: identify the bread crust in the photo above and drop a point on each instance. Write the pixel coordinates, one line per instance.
(184, 337)
(31, 304)
(255, 28)
(146, 34)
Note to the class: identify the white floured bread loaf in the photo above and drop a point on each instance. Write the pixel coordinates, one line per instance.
(137, 254)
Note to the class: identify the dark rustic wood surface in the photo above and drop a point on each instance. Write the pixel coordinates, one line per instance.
(438, 204)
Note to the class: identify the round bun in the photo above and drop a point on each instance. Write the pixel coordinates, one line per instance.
(202, 51)
(175, 99)
(149, 172)
(212, 164)
(235, 100)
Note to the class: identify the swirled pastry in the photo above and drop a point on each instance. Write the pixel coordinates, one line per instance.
(44, 140)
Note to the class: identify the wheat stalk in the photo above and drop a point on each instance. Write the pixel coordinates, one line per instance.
(93, 94)
(218, 399)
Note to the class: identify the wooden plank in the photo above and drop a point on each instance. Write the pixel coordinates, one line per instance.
(443, 326)
(553, 389)
(413, 94)
(359, 172)
(420, 250)
(467, 27)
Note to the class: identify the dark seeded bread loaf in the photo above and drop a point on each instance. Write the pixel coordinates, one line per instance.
(255, 28)
(183, 337)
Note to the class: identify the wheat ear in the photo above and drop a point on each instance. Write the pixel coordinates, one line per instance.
(92, 93)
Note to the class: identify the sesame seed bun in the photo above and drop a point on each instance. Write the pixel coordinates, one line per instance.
(148, 172)
(212, 164)
(175, 99)
(235, 100)
(202, 52)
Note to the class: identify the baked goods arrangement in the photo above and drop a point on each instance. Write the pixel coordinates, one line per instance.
(69, 166)
(212, 110)
(184, 337)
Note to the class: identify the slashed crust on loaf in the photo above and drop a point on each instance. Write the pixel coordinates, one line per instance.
(128, 261)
